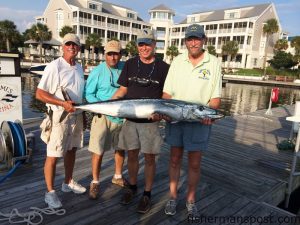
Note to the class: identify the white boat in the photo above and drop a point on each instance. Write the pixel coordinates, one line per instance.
(38, 69)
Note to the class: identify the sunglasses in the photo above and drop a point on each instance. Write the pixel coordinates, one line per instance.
(113, 53)
(69, 43)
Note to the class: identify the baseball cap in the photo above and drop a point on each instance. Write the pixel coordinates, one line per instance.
(195, 30)
(112, 46)
(146, 35)
(71, 38)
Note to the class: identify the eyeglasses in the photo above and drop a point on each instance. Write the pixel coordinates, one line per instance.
(69, 43)
(113, 53)
(144, 82)
(112, 78)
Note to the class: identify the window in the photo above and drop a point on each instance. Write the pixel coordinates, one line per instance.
(231, 15)
(93, 6)
(130, 15)
(193, 19)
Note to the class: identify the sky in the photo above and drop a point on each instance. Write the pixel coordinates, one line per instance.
(23, 12)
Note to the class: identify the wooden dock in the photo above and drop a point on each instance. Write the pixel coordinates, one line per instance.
(244, 178)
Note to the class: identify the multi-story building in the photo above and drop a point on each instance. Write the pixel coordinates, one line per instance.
(241, 24)
(93, 16)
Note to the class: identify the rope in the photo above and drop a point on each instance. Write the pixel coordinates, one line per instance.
(15, 217)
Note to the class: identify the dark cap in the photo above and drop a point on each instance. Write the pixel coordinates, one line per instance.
(145, 35)
(195, 30)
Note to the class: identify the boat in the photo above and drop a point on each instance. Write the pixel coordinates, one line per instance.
(37, 69)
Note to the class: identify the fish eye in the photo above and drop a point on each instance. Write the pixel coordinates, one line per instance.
(201, 108)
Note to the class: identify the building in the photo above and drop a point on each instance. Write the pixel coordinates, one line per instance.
(244, 25)
(93, 16)
(241, 24)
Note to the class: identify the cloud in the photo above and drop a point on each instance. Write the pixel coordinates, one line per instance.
(23, 19)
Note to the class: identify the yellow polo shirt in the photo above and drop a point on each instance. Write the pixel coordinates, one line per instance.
(196, 84)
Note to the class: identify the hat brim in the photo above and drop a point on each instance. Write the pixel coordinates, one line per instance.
(147, 41)
(195, 34)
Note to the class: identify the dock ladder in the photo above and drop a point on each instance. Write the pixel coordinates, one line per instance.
(295, 129)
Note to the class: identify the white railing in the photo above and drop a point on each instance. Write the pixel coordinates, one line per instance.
(239, 30)
(211, 31)
(99, 23)
(85, 21)
(123, 28)
(112, 26)
(222, 31)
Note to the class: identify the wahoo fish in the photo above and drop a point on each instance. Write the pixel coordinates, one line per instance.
(143, 109)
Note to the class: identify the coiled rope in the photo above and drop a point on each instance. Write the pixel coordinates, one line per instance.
(33, 217)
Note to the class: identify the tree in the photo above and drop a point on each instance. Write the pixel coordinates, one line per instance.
(295, 43)
(172, 51)
(282, 59)
(93, 41)
(211, 50)
(8, 33)
(131, 49)
(281, 45)
(39, 33)
(230, 49)
(65, 30)
(270, 27)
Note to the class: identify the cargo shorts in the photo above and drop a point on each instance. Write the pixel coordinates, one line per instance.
(143, 136)
(65, 135)
(104, 135)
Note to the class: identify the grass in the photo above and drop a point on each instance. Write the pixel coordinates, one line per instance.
(270, 71)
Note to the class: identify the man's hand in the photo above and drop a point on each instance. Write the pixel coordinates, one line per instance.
(68, 106)
(159, 117)
(207, 121)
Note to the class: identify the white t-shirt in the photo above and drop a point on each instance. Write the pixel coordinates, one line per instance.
(60, 74)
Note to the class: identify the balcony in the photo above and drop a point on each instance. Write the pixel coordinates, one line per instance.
(112, 26)
(211, 31)
(85, 21)
(239, 30)
(99, 23)
(123, 28)
(224, 31)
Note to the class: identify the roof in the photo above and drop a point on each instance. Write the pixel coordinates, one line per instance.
(161, 7)
(249, 11)
(52, 42)
(106, 7)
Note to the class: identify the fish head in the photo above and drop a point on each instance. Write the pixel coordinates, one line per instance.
(197, 112)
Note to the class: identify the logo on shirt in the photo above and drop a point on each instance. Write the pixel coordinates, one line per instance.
(204, 74)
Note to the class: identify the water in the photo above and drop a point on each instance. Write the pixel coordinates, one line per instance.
(237, 99)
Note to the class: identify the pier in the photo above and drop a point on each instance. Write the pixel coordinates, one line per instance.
(243, 176)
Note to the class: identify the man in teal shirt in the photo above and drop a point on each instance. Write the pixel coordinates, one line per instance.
(101, 85)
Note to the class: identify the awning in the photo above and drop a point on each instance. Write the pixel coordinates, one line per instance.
(52, 42)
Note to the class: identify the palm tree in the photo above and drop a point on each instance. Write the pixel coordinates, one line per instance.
(131, 48)
(65, 30)
(211, 50)
(94, 41)
(39, 33)
(230, 49)
(172, 51)
(281, 45)
(9, 33)
(295, 43)
(270, 27)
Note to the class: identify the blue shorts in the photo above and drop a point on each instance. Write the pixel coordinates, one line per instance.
(192, 136)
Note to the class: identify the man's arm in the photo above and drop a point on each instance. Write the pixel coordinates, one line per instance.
(166, 95)
(215, 103)
(120, 93)
(46, 97)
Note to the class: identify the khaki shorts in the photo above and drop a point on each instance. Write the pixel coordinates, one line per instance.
(104, 135)
(143, 136)
(65, 135)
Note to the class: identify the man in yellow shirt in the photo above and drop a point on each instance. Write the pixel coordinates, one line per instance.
(194, 76)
